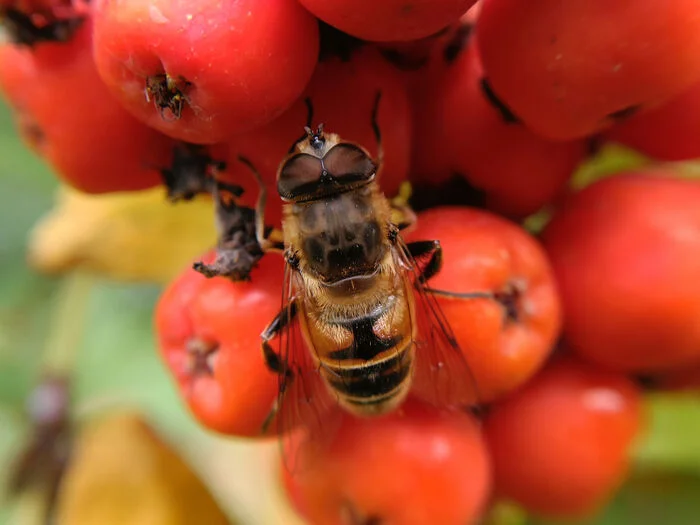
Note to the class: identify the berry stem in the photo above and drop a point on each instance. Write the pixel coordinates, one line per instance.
(67, 324)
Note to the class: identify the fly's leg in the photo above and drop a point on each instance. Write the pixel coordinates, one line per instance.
(272, 241)
(377, 132)
(433, 251)
(274, 361)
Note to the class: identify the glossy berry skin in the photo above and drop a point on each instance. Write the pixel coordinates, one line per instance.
(390, 19)
(236, 65)
(560, 446)
(504, 340)
(411, 467)
(625, 252)
(208, 334)
(343, 94)
(68, 116)
(569, 70)
(518, 171)
(668, 132)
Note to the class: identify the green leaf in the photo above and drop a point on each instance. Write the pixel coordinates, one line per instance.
(650, 498)
(672, 441)
(611, 159)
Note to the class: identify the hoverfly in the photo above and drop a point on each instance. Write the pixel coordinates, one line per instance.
(359, 292)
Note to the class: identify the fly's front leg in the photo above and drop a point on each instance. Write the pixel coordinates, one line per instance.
(273, 360)
(272, 241)
(433, 251)
(377, 132)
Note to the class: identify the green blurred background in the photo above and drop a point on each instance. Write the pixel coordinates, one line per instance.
(117, 364)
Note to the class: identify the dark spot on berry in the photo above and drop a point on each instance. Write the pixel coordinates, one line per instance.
(404, 61)
(647, 382)
(457, 43)
(479, 411)
(594, 144)
(624, 113)
(336, 44)
(506, 113)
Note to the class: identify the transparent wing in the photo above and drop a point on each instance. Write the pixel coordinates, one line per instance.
(306, 411)
(442, 374)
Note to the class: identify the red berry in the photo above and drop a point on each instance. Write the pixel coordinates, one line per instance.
(210, 69)
(209, 337)
(668, 132)
(683, 379)
(504, 340)
(390, 19)
(460, 132)
(625, 252)
(571, 69)
(414, 466)
(66, 113)
(560, 446)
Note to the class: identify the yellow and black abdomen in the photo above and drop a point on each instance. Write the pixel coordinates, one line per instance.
(366, 360)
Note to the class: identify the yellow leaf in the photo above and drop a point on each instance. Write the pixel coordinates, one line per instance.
(123, 473)
(137, 236)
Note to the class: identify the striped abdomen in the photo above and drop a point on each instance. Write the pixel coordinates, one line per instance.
(366, 360)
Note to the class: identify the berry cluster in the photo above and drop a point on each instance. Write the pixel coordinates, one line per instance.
(487, 108)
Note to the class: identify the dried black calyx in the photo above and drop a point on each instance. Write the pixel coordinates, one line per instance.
(202, 356)
(238, 250)
(510, 298)
(32, 29)
(506, 113)
(168, 94)
(192, 172)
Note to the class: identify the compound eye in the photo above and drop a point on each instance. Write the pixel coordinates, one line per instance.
(298, 175)
(349, 163)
